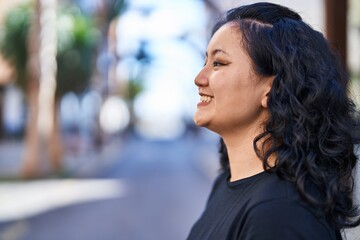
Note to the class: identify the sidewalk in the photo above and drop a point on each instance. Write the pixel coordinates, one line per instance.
(77, 162)
(11, 153)
(155, 186)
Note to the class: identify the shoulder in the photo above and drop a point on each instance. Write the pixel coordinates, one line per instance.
(265, 187)
(286, 219)
(278, 212)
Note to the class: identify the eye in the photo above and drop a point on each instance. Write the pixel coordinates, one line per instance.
(217, 64)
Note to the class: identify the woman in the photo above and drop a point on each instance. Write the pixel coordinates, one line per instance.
(276, 94)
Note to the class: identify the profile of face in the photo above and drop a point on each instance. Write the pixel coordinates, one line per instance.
(233, 97)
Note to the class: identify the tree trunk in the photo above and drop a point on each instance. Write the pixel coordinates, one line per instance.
(336, 26)
(32, 157)
(42, 125)
(2, 132)
(30, 167)
(48, 124)
(55, 144)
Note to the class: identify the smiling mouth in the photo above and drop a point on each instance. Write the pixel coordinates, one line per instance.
(205, 99)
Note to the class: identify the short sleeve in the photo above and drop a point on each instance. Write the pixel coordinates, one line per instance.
(282, 219)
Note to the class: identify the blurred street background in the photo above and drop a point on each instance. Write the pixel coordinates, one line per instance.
(97, 140)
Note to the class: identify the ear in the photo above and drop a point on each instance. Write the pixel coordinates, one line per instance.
(267, 88)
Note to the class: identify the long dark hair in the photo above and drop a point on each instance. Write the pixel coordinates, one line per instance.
(312, 121)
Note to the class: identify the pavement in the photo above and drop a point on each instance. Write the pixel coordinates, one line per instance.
(132, 188)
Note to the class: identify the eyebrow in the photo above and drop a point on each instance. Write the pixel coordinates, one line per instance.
(216, 51)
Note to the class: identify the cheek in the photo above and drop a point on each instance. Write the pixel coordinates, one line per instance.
(227, 89)
(221, 82)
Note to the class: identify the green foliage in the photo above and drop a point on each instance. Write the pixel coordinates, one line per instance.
(77, 39)
(135, 87)
(13, 40)
(114, 8)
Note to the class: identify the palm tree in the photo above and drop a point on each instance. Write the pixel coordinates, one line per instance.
(22, 45)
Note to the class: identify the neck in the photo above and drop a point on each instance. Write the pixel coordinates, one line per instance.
(243, 159)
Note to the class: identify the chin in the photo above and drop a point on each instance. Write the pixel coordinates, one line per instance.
(199, 122)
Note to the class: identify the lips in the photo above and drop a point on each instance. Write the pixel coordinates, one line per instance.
(205, 99)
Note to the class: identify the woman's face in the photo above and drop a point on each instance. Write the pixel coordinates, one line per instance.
(232, 96)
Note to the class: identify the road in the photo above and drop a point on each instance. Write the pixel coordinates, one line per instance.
(162, 189)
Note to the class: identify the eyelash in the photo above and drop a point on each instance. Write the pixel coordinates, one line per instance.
(215, 64)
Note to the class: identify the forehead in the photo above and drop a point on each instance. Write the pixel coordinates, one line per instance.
(227, 36)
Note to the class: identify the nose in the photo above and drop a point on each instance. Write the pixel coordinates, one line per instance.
(201, 79)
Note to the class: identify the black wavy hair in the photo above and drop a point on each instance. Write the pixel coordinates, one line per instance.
(312, 120)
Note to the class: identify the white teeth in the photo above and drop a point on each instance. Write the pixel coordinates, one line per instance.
(205, 99)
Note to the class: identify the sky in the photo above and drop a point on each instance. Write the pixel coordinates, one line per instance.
(172, 34)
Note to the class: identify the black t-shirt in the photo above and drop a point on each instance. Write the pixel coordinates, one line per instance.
(260, 207)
